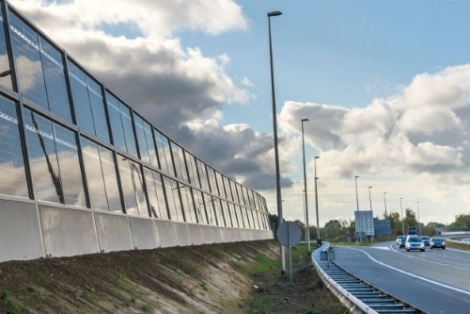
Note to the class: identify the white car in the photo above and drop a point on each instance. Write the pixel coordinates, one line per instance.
(414, 242)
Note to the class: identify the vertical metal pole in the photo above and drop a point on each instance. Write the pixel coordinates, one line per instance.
(419, 221)
(316, 202)
(402, 218)
(358, 218)
(307, 226)
(276, 153)
(370, 199)
(385, 204)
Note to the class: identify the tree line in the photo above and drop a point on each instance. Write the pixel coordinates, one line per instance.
(337, 230)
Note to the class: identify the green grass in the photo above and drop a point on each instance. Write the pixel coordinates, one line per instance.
(264, 264)
(5, 294)
(460, 246)
(203, 286)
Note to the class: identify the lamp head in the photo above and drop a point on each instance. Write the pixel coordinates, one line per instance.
(356, 177)
(316, 157)
(370, 187)
(274, 13)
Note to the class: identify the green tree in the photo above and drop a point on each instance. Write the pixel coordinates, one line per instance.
(410, 218)
(394, 218)
(461, 220)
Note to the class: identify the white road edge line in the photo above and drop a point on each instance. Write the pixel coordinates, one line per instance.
(412, 275)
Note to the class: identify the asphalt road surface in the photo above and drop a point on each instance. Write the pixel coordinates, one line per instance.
(436, 281)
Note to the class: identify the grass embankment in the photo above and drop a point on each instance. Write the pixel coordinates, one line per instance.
(305, 295)
(459, 246)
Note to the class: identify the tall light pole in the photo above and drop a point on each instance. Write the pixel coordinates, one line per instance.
(357, 204)
(370, 199)
(282, 259)
(419, 221)
(402, 220)
(316, 200)
(307, 229)
(385, 205)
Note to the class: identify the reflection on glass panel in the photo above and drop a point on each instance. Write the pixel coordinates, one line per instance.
(200, 207)
(178, 157)
(12, 168)
(209, 204)
(157, 179)
(256, 219)
(152, 196)
(227, 188)
(141, 139)
(110, 180)
(81, 101)
(150, 144)
(220, 184)
(115, 120)
(228, 214)
(138, 184)
(94, 175)
(235, 214)
(212, 181)
(240, 194)
(53, 65)
(225, 209)
(174, 203)
(28, 60)
(245, 194)
(95, 92)
(127, 184)
(128, 129)
(187, 202)
(234, 192)
(44, 165)
(240, 211)
(70, 173)
(155, 194)
(218, 211)
(201, 169)
(191, 162)
(164, 153)
(5, 71)
(249, 218)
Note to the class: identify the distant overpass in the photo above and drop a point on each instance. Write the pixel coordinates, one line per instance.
(452, 231)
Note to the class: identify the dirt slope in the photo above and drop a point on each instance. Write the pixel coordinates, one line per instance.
(203, 279)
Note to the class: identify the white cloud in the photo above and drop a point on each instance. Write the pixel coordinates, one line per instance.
(413, 144)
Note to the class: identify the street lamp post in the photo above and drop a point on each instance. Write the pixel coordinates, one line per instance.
(419, 221)
(385, 205)
(357, 204)
(316, 200)
(402, 220)
(370, 199)
(276, 153)
(307, 229)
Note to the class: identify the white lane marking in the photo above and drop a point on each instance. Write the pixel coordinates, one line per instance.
(386, 248)
(412, 275)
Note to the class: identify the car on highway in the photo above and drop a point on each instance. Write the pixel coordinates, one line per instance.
(437, 242)
(414, 242)
(398, 239)
(401, 242)
(425, 240)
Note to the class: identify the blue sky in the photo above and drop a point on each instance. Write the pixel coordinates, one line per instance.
(338, 52)
(385, 85)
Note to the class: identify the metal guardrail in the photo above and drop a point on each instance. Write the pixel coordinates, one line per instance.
(356, 294)
(355, 305)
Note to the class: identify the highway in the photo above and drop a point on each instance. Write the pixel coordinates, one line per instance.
(436, 281)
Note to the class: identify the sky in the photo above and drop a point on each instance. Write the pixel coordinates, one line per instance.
(385, 86)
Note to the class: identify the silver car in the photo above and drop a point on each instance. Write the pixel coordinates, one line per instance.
(414, 242)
